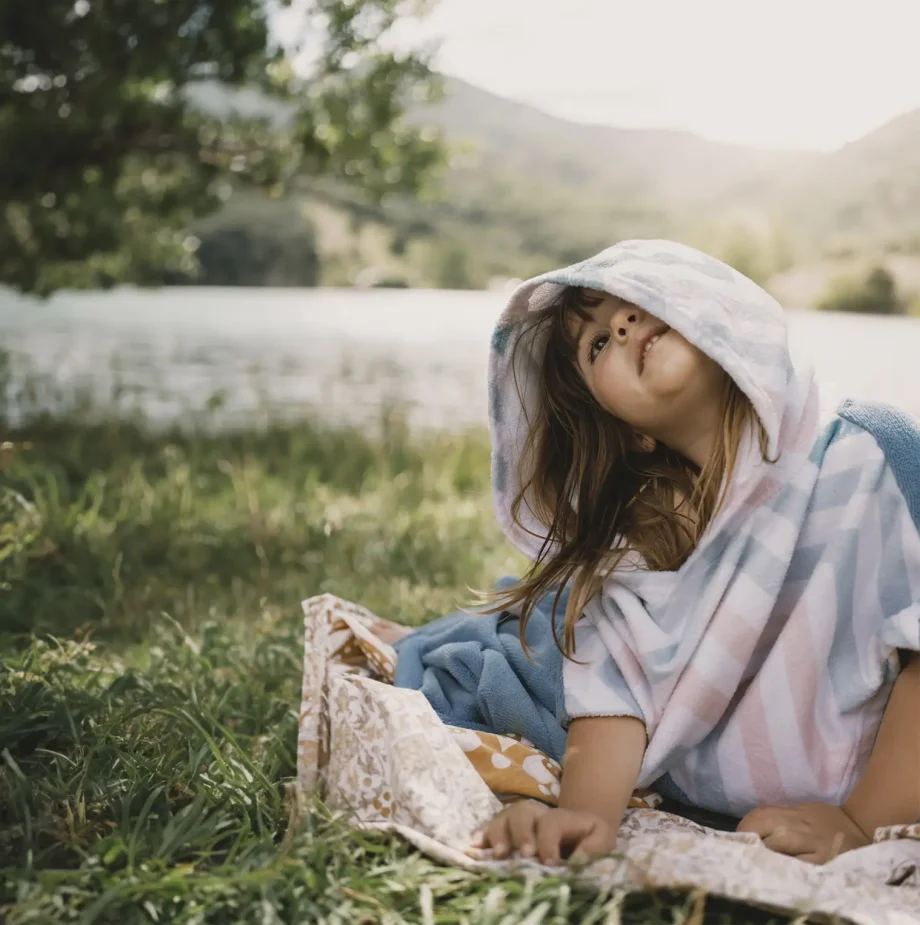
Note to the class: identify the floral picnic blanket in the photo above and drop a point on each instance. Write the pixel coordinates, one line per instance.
(382, 756)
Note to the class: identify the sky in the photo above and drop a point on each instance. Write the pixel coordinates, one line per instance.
(811, 74)
(780, 74)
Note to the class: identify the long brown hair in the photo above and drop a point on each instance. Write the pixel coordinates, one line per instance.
(626, 497)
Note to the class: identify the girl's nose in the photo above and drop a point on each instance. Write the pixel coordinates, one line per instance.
(625, 322)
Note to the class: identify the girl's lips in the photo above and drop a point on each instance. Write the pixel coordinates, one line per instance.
(642, 342)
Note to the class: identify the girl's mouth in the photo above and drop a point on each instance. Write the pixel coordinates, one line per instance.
(648, 346)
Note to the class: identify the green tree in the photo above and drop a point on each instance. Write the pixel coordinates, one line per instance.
(104, 159)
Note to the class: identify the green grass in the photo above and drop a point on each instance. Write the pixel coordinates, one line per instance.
(150, 661)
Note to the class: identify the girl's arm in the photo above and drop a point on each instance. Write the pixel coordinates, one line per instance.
(603, 756)
(888, 792)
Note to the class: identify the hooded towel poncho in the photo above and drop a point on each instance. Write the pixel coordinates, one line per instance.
(761, 667)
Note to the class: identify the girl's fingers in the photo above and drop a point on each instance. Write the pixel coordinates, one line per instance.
(789, 840)
(523, 827)
(556, 831)
(497, 837)
(812, 858)
(761, 821)
(597, 842)
(773, 826)
(549, 838)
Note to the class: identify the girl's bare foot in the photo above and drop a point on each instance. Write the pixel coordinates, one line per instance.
(389, 632)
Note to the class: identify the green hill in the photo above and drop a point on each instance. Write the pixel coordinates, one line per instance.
(525, 190)
(864, 195)
(659, 167)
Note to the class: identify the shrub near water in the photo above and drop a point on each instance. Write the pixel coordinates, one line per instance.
(876, 294)
(150, 669)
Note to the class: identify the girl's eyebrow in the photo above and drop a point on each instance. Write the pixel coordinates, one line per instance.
(584, 323)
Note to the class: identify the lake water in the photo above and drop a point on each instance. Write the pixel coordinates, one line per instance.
(345, 354)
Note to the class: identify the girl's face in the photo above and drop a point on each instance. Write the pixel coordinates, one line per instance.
(648, 375)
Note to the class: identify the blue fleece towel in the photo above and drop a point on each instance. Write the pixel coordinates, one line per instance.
(473, 671)
(898, 436)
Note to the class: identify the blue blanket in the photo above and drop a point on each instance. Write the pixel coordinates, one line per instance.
(473, 671)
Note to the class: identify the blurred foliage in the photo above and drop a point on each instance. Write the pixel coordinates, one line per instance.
(254, 241)
(452, 268)
(105, 161)
(875, 294)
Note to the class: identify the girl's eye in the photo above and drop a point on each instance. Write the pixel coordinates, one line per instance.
(596, 345)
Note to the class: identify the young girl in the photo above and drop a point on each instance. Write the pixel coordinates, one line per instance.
(741, 572)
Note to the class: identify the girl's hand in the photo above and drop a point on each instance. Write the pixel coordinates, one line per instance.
(814, 832)
(537, 831)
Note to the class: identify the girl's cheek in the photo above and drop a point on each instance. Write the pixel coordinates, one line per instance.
(616, 374)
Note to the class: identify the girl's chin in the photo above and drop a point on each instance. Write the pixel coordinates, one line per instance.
(669, 378)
